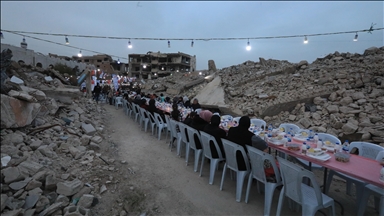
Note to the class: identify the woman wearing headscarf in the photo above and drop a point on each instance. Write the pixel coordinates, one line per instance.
(242, 136)
(199, 122)
(153, 109)
(187, 102)
(214, 130)
(175, 114)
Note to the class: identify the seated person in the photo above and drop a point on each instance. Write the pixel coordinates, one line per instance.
(199, 122)
(214, 130)
(188, 120)
(195, 105)
(175, 114)
(242, 136)
(153, 109)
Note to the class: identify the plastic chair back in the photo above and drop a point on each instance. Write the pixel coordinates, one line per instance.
(151, 117)
(288, 126)
(206, 140)
(230, 149)
(290, 175)
(184, 133)
(198, 111)
(259, 123)
(324, 137)
(191, 136)
(236, 119)
(228, 117)
(257, 159)
(366, 149)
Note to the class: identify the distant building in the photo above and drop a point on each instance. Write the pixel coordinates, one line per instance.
(156, 64)
(104, 62)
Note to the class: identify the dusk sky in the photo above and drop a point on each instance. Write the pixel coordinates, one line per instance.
(189, 19)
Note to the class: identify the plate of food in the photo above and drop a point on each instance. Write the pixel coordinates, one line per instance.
(293, 147)
(322, 157)
(329, 145)
(261, 133)
(315, 151)
(278, 140)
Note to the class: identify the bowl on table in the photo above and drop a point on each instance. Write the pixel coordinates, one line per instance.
(342, 157)
(293, 147)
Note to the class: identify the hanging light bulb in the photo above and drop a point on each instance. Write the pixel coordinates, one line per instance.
(305, 40)
(144, 66)
(356, 36)
(248, 46)
(118, 61)
(23, 43)
(80, 55)
(192, 43)
(169, 44)
(66, 40)
(129, 44)
(1, 35)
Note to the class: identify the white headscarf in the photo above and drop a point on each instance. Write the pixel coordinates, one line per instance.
(185, 99)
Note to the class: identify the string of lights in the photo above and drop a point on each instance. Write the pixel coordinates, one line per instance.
(248, 47)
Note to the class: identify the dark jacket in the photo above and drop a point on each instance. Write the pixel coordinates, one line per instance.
(198, 123)
(218, 133)
(195, 106)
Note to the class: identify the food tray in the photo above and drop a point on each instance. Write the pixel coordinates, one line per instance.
(293, 147)
(276, 141)
(342, 157)
(323, 157)
(315, 154)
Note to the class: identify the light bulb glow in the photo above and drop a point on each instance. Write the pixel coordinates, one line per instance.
(248, 46)
(356, 36)
(80, 55)
(129, 44)
(144, 66)
(66, 40)
(305, 40)
(118, 61)
(23, 40)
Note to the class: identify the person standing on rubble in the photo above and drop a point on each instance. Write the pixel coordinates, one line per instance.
(96, 92)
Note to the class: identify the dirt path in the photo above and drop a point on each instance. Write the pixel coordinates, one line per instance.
(157, 182)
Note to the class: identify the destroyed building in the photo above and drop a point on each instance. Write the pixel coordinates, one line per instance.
(156, 64)
(104, 62)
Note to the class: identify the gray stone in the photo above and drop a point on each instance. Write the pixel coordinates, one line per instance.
(36, 144)
(292, 117)
(316, 116)
(305, 122)
(52, 208)
(14, 203)
(29, 212)
(88, 129)
(39, 95)
(69, 188)
(79, 110)
(12, 174)
(40, 176)
(349, 128)
(318, 100)
(375, 119)
(357, 95)
(345, 101)
(22, 96)
(17, 80)
(94, 146)
(97, 139)
(84, 190)
(50, 183)
(333, 96)
(31, 166)
(14, 138)
(12, 213)
(361, 101)
(33, 184)
(20, 184)
(48, 79)
(42, 204)
(332, 108)
(63, 199)
(3, 200)
(46, 151)
(86, 201)
(30, 201)
(36, 191)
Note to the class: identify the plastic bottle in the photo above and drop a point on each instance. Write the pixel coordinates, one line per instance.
(319, 143)
(382, 174)
(285, 141)
(346, 146)
(338, 147)
(304, 148)
(316, 138)
(270, 128)
(291, 131)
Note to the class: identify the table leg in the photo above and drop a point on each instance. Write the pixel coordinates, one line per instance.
(324, 189)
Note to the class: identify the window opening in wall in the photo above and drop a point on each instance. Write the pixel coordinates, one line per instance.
(105, 59)
(86, 60)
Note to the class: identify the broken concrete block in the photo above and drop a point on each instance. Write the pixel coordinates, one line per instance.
(30, 201)
(48, 79)
(3, 200)
(94, 146)
(69, 188)
(32, 185)
(20, 184)
(39, 95)
(88, 129)
(86, 200)
(31, 166)
(12, 174)
(63, 199)
(17, 80)
(97, 139)
(52, 208)
(36, 191)
(21, 96)
(50, 183)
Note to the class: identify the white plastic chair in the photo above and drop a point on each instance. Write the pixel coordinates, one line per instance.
(198, 111)
(229, 117)
(167, 118)
(152, 122)
(230, 149)
(144, 120)
(192, 133)
(136, 111)
(129, 110)
(174, 134)
(379, 199)
(287, 127)
(184, 138)
(236, 119)
(124, 105)
(160, 124)
(310, 198)
(206, 140)
(259, 123)
(257, 159)
(216, 113)
(368, 150)
(118, 101)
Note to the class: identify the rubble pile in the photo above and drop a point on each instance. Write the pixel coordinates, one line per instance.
(341, 94)
(50, 160)
(177, 83)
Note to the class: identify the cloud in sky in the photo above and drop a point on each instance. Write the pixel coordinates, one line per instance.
(161, 19)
